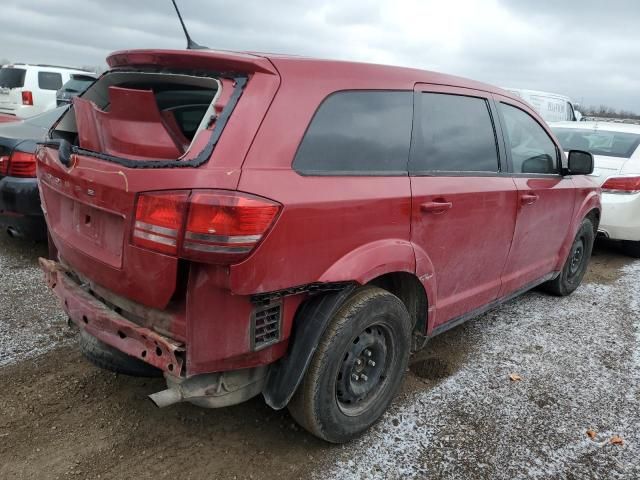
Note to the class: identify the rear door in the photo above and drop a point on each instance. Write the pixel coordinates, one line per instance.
(11, 82)
(545, 198)
(463, 211)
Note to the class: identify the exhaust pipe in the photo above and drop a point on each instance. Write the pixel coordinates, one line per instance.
(166, 397)
(212, 390)
(13, 232)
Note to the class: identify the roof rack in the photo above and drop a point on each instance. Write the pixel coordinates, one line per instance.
(52, 66)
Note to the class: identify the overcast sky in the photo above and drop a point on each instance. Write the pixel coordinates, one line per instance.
(587, 49)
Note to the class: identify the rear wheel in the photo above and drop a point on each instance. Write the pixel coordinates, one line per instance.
(576, 265)
(107, 357)
(357, 367)
(631, 248)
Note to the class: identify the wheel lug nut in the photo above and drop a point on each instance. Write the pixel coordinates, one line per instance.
(367, 352)
(358, 362)
(355, 377)
(364, 378)
(371, 363)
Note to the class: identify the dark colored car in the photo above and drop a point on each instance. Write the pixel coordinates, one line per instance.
(20, 212)
(76, 85)
(261, 224)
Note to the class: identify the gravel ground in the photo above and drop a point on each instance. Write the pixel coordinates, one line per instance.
(459, 415)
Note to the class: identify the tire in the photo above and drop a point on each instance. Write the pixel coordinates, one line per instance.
(109, 358)
(631, 248)
(577, 262)
(369, 337)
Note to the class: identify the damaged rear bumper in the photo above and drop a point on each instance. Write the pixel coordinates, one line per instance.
(88, 313)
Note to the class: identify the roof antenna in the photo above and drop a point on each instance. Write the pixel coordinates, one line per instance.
(191, 45)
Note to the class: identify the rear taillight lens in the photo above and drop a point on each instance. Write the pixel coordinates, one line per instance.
(4, 165)
(159, 219)
(22, 164)
(622, 185)
(27, 98)
(211, 226)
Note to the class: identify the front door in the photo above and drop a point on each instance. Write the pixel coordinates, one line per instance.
(464, 206)
(545, 198)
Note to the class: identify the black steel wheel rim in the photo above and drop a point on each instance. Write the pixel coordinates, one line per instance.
(364, 370)
(576, 258)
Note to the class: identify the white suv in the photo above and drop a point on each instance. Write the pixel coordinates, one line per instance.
(27, 90)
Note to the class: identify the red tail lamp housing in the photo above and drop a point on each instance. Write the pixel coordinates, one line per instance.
(622, 185)
(27, 97)
(210, 226)
(18, 164)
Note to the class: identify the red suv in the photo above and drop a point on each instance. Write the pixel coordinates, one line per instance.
(252, 224)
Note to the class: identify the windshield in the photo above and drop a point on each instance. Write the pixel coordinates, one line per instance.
(598, 142)
(77, 85)
(47, 119)
(12, 77)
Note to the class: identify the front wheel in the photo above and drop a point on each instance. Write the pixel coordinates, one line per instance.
(577, 262)
(357, 367)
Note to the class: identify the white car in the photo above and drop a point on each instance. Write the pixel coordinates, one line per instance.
(615, 147)
(27, 90)
(552, 107)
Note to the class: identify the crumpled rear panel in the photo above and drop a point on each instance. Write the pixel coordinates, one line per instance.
(133, 127)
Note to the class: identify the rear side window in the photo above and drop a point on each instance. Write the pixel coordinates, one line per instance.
(456, 134)
(358, 132)
(12, 77)
(49, 81)
(532, 150)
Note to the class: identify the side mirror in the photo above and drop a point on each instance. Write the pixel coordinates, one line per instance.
(580, 163)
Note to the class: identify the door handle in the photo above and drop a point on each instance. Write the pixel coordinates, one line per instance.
(528, 198)
(436, 207)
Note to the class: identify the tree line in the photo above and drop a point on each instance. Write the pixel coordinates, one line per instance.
(605, 111)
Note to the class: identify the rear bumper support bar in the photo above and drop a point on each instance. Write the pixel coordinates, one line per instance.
(89, 314)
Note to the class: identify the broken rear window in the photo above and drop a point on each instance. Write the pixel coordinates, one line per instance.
(141, 116)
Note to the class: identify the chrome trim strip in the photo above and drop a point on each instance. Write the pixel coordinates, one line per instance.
(207, 237)
(154, 228)
(155, 238)
(215, 248)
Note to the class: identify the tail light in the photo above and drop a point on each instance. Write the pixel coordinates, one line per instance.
(622, 185)
(212, 226)
(19, 164)
(27, 98)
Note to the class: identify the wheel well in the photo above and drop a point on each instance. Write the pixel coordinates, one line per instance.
(594, 216)
(410, 291)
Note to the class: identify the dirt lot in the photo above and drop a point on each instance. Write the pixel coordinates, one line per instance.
(459, 414)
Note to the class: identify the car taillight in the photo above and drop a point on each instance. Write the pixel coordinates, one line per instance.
(27, 98)
(159, 220)
(211, 226)
(622, 185)
(22, 164)
(4, 165)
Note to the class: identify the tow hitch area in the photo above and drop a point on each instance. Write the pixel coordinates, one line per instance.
(89, 314)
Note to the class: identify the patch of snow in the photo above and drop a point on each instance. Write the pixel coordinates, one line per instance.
(31, 321)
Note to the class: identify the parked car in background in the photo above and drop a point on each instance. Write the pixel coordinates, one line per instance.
(28, 90)
(553, 107)
(76, 85)
(264, 233)
(617, 170)
(20, 212)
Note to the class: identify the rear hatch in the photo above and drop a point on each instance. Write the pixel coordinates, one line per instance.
(158, 121)
(11, 84)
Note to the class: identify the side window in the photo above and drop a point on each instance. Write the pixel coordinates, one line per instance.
(456, 134)
(356, 132)
(49, 80)
(532, 150)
